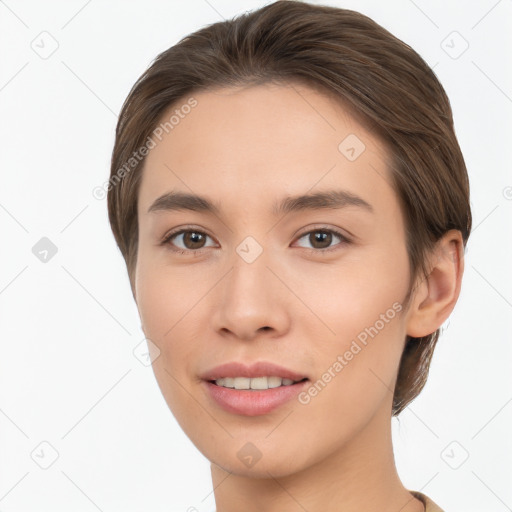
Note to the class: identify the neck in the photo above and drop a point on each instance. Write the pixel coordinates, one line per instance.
(359, 476)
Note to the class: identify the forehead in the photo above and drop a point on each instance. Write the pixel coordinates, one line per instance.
(250, 145)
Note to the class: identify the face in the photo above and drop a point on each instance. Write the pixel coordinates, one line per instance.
(252, 273)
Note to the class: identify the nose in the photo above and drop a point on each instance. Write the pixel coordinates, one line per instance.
(252, 301)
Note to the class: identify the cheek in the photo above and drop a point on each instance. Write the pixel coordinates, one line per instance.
(357, 356)
(351, 296)
(357, 368)
(171, 304)
(165, 296)
(165, 306)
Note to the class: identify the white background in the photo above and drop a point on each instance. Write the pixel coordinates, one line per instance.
(68, 374)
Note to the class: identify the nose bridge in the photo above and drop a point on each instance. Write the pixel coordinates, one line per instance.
(249, 284)
(250, 296)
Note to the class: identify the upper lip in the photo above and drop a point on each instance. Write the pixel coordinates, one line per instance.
(257, 369)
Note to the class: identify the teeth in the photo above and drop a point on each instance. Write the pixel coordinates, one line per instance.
(229, 382)
(254, 383)
(259, 383)
(274, 382)
(242, 382)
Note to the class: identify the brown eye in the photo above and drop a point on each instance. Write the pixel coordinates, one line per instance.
(193, 240)
(321, 240)
(186, 240)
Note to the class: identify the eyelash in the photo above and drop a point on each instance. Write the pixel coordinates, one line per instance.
(344, 240)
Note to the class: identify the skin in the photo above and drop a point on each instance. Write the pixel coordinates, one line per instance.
(246, 148)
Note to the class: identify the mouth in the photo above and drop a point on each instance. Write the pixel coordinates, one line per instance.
(253, 401)
(252, 389)
(256, 375)
(255, 383)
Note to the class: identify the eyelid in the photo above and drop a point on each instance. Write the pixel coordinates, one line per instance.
(322, 227)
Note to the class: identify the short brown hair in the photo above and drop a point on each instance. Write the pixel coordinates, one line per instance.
(344, 53)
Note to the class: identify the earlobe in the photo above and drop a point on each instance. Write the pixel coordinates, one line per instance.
(436, 295)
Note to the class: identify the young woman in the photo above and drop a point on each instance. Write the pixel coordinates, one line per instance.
(292, 205)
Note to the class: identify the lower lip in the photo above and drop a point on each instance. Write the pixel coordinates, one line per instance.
(253, 402)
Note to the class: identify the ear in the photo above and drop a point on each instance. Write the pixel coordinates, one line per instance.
(435, 296)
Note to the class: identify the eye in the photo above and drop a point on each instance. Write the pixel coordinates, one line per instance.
(322, 238)
(192, 240)
(188, 241)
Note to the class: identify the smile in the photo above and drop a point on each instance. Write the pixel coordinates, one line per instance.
(257, 383)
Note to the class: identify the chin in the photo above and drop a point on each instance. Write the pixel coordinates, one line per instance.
(263, 468)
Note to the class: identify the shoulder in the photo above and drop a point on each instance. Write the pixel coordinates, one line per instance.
(430, 506)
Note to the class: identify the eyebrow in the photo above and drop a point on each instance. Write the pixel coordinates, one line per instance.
(335, 199)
